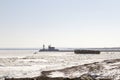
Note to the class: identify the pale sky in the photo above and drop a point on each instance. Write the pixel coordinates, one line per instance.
(61, 23)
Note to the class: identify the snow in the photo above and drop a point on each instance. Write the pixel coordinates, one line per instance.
(106, 71)
(57, 74)
(20, 64)
(112, 70)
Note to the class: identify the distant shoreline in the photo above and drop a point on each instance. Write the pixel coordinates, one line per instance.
(67, 49)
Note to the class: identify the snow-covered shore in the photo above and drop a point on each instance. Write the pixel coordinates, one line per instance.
(107, 69)
(33, 65)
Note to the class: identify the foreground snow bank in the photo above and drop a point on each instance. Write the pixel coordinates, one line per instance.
(109, 69)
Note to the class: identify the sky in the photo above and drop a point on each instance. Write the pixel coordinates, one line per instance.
(61, 23)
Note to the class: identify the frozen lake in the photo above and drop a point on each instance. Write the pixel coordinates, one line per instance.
(16, 53)
(24, 63)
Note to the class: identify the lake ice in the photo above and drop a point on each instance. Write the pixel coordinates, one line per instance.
(24, 63)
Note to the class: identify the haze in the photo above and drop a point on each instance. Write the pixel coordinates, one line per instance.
(61, 23)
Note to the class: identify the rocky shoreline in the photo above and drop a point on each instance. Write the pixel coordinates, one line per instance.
(104, 70)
